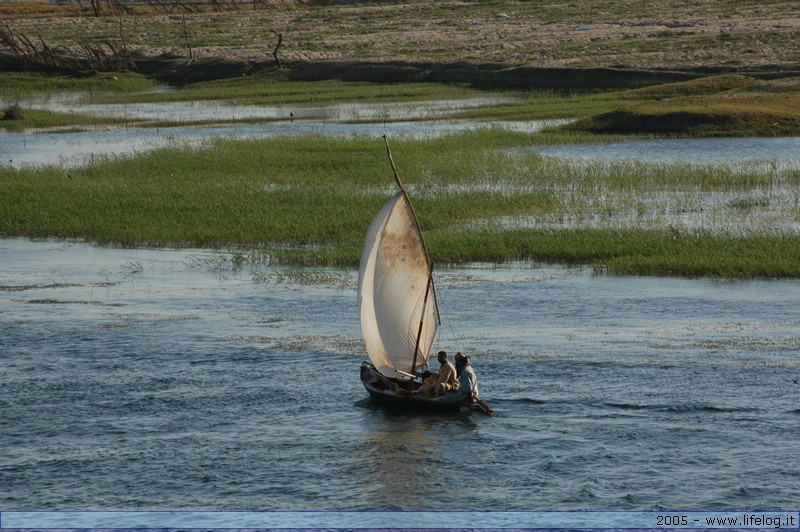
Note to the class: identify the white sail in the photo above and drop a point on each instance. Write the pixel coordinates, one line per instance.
(393, 280)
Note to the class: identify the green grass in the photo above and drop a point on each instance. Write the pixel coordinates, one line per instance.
(548, 104)
(270, 89)
(724, 105)
(18, 85)
(309, 200)
(727, 105)
(745, 115)
(631, 252)
(18, 119)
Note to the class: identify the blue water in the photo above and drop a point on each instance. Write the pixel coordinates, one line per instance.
(173, 379)
(770, 153)
(93, 144)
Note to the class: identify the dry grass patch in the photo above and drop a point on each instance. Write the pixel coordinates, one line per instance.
(715, 106)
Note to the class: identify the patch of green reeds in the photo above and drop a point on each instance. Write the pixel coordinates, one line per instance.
(663, 252)
(19, 87)
(271, 89)
(263, 193)
(15, 85)
(16, 118)
(309, 200)
(543, 104)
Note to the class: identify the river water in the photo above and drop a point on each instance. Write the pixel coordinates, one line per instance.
(778, 153)
(175, 379)
(70, 147)
(178, 379)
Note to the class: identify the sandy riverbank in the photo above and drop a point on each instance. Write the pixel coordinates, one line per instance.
(520, 44)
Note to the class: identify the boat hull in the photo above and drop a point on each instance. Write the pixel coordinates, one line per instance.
(400, 394)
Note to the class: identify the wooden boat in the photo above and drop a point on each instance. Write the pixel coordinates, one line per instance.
(402, 393)
(399, 311)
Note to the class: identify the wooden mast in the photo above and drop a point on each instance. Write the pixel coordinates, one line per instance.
(421, 321)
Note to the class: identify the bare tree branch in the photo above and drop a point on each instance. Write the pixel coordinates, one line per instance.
(186, 36)
(277, 46)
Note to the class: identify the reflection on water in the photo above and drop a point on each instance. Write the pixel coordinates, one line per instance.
(413, 461)
(399, 460)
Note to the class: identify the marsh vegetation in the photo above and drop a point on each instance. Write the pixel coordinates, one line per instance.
(308, 199)
(477, 199)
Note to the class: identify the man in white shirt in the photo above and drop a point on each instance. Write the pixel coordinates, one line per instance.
(467, 381)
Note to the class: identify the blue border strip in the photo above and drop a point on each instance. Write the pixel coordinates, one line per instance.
(400, 520)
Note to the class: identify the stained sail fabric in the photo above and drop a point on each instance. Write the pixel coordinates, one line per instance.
(393, 279)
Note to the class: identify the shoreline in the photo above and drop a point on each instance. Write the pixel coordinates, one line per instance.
(503, 44)
(173, 70)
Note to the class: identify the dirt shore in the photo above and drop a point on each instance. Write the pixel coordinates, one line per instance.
(547, 43)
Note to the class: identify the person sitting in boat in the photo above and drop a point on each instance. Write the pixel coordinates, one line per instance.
(444, 381)
(467, 390)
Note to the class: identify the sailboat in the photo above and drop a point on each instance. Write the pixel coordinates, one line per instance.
(399, 310)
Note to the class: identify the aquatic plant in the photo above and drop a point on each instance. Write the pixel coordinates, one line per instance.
(479, 198)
